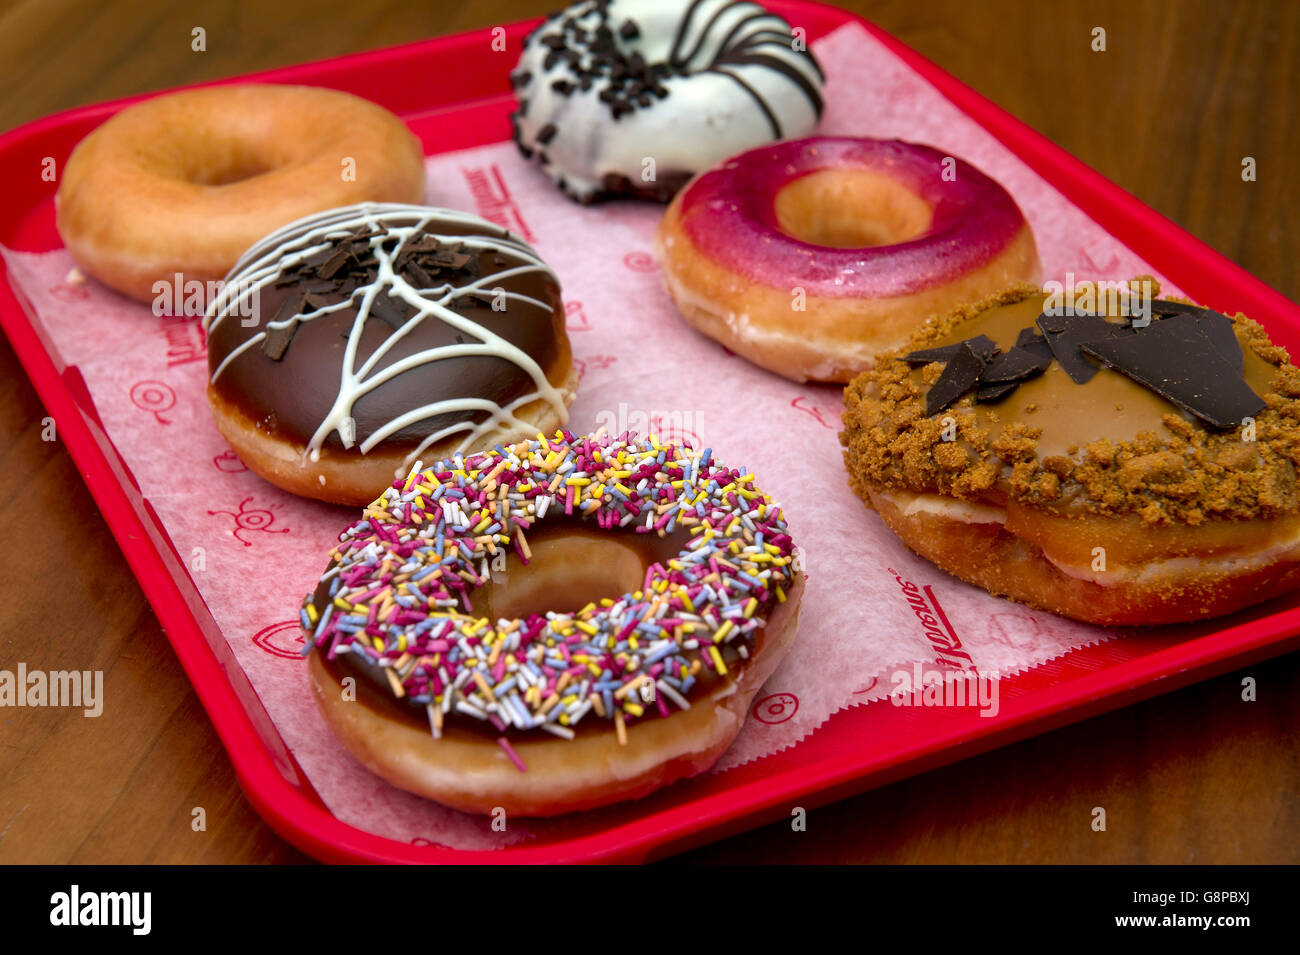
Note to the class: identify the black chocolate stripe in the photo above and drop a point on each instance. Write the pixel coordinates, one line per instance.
(682, 27)
(708, 28)
(762, 103)
(781, 66)
(740, 25)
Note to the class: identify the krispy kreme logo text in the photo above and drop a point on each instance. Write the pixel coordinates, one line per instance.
(493, 199)
(937, 628)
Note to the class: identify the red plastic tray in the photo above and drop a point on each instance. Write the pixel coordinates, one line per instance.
(858, 748)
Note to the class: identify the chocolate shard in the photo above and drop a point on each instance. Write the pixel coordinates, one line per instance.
(1029, 337)
(629, 30)
(331, 266)
(449, 257)
(387, 310)
(1176, 359)
(277, 339)
(1064, 334)
(314, 286)
(981, 345)
(995, 392)
(959, 376)
(312, 262)
(1030, 356)
(314, 301)
(425, 243)
(927, 355)
(419, 278)
(1219, 329)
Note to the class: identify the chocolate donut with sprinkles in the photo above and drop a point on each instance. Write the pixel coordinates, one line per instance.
(633, 97)
(555, 625)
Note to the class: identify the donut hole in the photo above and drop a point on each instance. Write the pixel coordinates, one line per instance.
(571, 566)
(223, 167)
(230, 174)
(850, 209)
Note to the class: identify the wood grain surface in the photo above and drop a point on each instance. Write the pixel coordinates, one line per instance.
(1184, 92)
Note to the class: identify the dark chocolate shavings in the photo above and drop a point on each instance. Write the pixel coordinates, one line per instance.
(388, 311)
(983, 346)
(959, 376)
(277, 339)
(331, 266)
(1217, 327)
(314, 301)
(995, 392)
(1219, 330)
(1020, 363)
(450, 258)
(1176, 359)
(1065, 332)
(419, 277)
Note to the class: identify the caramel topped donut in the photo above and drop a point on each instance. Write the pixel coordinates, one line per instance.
(810, 258)
(349, 343)
(633, 97)
(1114, 469)
(185, 182)
(418, 597)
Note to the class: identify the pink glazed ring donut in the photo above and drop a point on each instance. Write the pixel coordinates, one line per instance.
(812, 257)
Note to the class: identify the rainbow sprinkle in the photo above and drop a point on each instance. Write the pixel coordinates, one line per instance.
(401, 583)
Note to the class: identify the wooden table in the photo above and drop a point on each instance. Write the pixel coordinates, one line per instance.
(1183, 92)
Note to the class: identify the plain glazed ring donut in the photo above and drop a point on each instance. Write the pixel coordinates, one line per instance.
(349, 344)
(553, 626)
(1112, 467)
(184, 183)
(633, 97)
(811, 258)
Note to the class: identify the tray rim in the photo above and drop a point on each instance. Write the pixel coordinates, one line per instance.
(309, 825)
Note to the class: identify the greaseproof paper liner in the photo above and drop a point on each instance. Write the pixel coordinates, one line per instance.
(253, 550)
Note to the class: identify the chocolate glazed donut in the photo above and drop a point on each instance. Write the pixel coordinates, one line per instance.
(349, 344)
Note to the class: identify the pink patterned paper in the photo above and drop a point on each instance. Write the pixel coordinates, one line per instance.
(254, 550)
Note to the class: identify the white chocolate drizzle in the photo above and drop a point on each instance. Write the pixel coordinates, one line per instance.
(263, 264)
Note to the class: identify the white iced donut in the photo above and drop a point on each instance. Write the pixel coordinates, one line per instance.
(633, 97)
